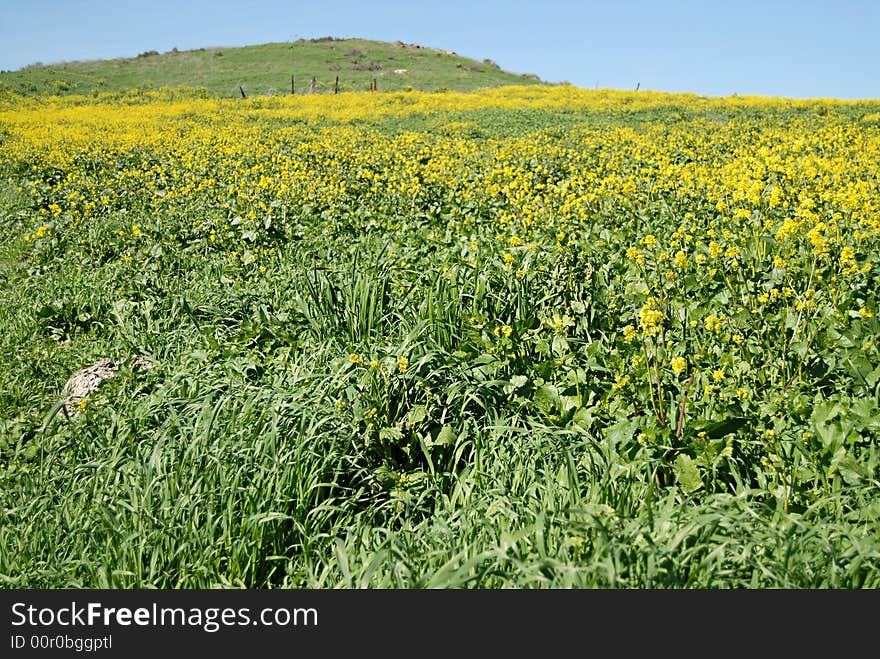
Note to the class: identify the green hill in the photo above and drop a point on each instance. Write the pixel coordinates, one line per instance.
(268, 68)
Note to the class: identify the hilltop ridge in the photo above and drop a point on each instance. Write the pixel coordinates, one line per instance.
(272, 68)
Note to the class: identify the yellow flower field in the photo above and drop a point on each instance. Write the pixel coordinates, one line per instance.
(686, 283)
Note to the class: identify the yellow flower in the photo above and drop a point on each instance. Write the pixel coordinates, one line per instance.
(633, 254)
(650, 317)
(355, 358)
(629, 332)
(678, 364)
(713, 323)
(402, 364)
(718, 375)
(680, 260)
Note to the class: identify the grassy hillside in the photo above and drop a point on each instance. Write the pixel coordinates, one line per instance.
(267, 69)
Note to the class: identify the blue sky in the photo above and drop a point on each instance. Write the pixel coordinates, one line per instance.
(773, 48)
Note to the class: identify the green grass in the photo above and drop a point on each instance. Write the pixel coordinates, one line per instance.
(227, 464)
(267, 69)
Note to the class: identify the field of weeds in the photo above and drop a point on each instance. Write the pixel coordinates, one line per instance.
(528, 337)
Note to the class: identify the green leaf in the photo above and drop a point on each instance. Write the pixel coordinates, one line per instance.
(547, 398)
(446, 437)
(687, 474)
(622, 431)
(718, 429)
(863, 412)
(583, 418)
(872, 377)
(50, 310)
(390, 434)
(416, 415)
(518, 381)
(848, 467)
(824, 411)
(577, 376)
(560, 345)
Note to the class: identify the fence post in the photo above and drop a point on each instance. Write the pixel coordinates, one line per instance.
(292, 86)
(336, 86)
(313, 85)
(242, 91)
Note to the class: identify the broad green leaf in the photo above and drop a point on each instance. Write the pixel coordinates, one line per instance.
(547, 398)
(622, 431)
(583, 418)
(687, 474)
(390, 434)
(416, 415)
(849, 468)
(560, 345)
(825, 411)
(718, 429)
(518, 381)
(446, 437)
